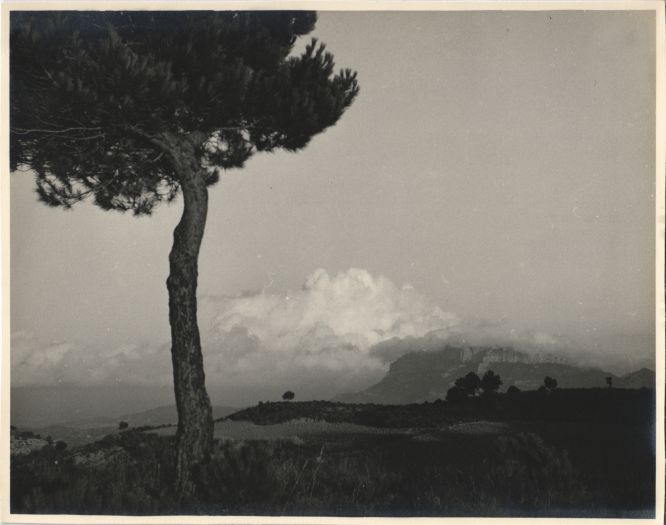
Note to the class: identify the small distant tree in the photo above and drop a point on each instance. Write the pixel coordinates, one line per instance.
(490, 382)
(60, 445)
(288, 395)
(550, 383)
(123, 425)
(49, 439)
(455, 394)
(609, 382)
(513, 390)
(470, 384)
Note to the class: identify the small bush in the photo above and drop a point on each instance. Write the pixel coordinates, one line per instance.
(455, 394)
(513, 391)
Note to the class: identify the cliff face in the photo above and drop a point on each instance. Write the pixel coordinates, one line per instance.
(427, 375)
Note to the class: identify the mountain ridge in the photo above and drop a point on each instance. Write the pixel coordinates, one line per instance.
(426, 375)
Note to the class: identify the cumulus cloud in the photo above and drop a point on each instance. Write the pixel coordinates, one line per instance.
(335, 334)
(320, 337)
(325, 330)
(353, 308)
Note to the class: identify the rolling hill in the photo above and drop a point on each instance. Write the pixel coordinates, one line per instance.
(86, 430)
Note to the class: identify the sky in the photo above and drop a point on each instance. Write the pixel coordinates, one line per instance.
(494, 178)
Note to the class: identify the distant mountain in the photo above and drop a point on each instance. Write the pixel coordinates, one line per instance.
(87, 430)
(427, 375)
(92, 407)
(637, 379)
(36, 407)
(155, 416)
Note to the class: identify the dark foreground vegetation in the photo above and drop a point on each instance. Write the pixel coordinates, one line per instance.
(618, 406)
(560, 453)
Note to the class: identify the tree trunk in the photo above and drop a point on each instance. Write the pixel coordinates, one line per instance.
(195, 420)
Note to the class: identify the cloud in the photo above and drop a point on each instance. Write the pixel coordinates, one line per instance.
(335, 334)
(476, 333)
(319, 338)
(321, 333)
(352, 308)
(618, 353)
(483, 332)
(35, 362)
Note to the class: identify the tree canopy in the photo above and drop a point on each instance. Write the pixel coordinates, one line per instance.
(97, 96)
(469, 384)
(490, 382)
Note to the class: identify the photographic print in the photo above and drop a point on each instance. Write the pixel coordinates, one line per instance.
(274, 262)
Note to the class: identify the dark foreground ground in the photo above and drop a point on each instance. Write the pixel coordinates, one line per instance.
(573, 453)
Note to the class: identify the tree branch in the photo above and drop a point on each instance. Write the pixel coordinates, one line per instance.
(23, 131)
(150, 138)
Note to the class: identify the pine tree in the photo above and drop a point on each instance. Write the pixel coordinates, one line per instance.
(470, 384)
(132, 108)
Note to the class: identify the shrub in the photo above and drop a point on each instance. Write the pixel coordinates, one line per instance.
(490, 382)
(455, 394)
(470, 384)
(513, 390)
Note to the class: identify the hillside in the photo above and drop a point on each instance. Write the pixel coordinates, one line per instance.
(591, 405)
(86, 430)
(637, 379)
(427, 375)
(532, 454)
(168, 415)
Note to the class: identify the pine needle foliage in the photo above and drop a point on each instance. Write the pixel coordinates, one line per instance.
(95, 94)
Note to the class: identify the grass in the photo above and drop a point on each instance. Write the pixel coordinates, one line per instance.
(543, 464)
(290, 430)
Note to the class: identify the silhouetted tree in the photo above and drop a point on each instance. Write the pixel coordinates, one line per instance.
(132, 107)
(490, 382)
(470, 384)
(288, 395)
(550, 383)
(455, 394)
(60, 445)
(609, 382)
(123, 425)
